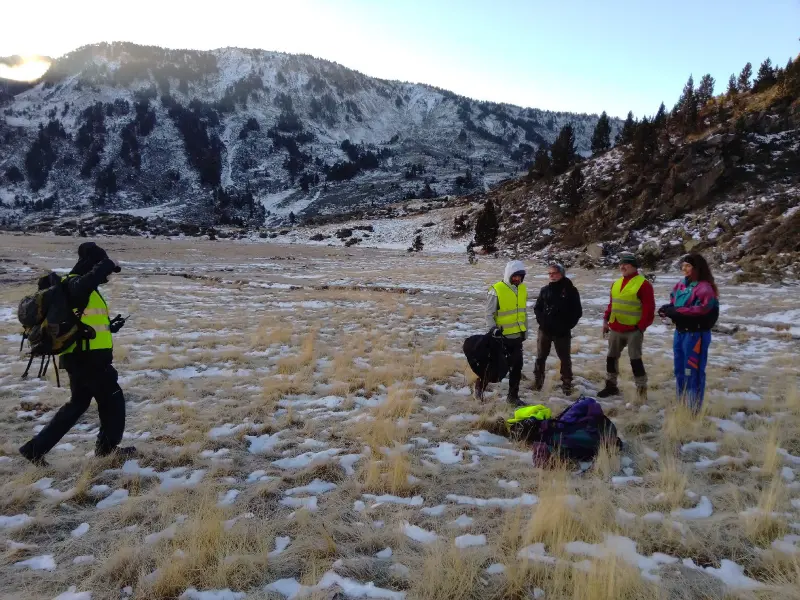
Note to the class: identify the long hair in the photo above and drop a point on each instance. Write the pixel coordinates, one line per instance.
(702, 269)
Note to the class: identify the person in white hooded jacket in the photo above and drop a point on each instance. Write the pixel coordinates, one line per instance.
(507, 315)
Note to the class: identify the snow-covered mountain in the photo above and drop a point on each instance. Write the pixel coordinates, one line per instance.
(233, 135)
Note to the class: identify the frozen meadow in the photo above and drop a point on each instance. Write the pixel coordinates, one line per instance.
(306, 429)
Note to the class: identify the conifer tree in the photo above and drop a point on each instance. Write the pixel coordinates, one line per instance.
(563, 150)
(625, 136)
(780, 73)
(645, 141)
(660, 119)
(541, 164)
(791, 79)
(705, 91)
(744, 78)
(732, 88)
(687, 95)
(571, 195)
(686, 108)
(487, 227)
(601, 138)
(765, 78)
(417, 245)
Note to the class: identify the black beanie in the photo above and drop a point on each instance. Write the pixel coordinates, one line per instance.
(89, 254)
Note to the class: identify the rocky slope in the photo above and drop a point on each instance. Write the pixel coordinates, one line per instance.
(729, 189)
(231, 136)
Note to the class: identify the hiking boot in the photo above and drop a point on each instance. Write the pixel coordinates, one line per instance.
(514, 400)
(609, 390)
(117, 452)
(641, 393)
(35, 460)
(538, 383)
(567, 389)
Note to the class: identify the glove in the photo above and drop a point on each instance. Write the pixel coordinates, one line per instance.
(116, 324)
(668, 310)
(496, 332)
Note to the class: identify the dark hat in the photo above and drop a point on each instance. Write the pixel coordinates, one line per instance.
(628, 258)
(91, 253)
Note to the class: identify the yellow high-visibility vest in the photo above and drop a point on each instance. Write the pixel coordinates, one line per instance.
(626, 308)
(512, 308)
(538, 411)
(95, 315)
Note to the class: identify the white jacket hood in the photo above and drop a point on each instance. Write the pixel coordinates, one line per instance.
(512, 267)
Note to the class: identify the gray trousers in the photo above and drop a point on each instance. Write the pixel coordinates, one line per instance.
(616, 344)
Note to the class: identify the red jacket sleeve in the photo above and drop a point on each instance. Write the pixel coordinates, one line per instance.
(647, 297)
(607, 314)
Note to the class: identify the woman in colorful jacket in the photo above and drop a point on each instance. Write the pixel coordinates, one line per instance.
(694, 309)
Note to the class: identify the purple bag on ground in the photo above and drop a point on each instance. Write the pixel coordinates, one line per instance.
(576, 434)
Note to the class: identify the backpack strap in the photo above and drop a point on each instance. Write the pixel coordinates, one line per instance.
(55, 368)
(82, 343)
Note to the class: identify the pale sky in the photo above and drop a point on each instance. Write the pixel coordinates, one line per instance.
(581, 55)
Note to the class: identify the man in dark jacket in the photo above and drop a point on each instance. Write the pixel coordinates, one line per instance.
(88, 363)
(558, 310)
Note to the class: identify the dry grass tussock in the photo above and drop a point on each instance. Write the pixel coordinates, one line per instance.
(447, 573)
(364, 390)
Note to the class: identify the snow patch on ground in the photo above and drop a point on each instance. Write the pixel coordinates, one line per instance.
(116, 498)
(524, 500)
(73, 594)
(418, 534)
(38, 563)
(624, 548)
(292, 589)
(468, 541)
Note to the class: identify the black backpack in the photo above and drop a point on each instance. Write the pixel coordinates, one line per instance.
(49, 323)
(487, 356)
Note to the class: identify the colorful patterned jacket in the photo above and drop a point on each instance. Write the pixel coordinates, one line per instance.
(696, 305)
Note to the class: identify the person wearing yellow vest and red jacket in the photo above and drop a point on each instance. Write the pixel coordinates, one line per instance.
(507, 315)
(88, 363)
(629, 313)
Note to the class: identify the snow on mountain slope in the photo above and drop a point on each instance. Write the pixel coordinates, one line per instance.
(223, 133)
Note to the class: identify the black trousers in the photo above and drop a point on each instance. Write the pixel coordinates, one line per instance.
(544, 341)
(86, 381)
(514, 353)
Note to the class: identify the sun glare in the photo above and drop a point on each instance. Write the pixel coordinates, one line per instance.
(29, 70)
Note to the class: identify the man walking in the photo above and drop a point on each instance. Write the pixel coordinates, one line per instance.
(88, 363)
(629, 313)
(558, 310)
(507, 315)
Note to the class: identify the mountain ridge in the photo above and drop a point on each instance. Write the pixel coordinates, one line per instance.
(244, 136)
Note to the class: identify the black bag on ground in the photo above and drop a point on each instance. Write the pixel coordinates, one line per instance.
(49, 323)
(486, 355)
